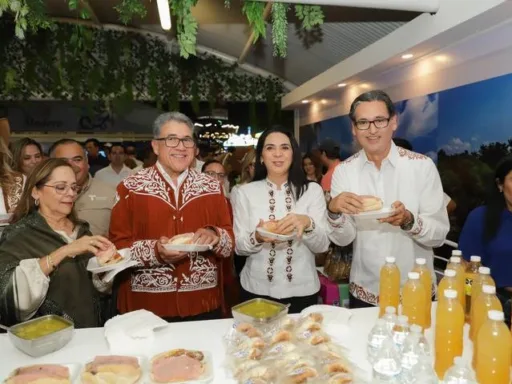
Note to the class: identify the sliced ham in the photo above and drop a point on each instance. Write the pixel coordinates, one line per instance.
(176, 368)
(40, 373)
(49, 370)
(110, 360)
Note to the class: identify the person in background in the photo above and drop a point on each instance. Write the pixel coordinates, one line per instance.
(248, 164)
(26, 154)
(163, 201)
(281, 271)
(407, 181)
(313, 171)
(45, 250)
(215, 169)
(117, 171)
(11, 182)
(95, 159)
(95, 198)
(148, 158)
(448, 202)
(330, 158)
(131, 154)
(487, 232)
(197, 164)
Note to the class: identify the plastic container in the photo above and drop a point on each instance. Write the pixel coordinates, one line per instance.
(249, 312)
(448, 332)
(411, 349)
(483, 278)
(414, 305)
(426, 281)
(389, 286)
(494, 350)
(390, 318)
(376, 337)
(470, 275)
(456, 265)
(387, 367)
(400, 331)
(459, 373)
(450, 281)
(486, 301)
(421, 373)
(42, 345)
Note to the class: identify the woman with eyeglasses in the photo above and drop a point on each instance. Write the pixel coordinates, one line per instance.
(282, 271)
(215, 169)
(45, 250)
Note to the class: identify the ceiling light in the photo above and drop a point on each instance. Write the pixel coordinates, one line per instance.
(305, 101)
(407, 56)
(365, 85)
(442, 58)
(164, 13)
(323, 101)
(341, 85)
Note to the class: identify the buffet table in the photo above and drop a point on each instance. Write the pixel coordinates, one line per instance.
(201, 335)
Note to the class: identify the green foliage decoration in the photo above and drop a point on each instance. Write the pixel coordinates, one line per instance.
(31, 15)
(119, 66)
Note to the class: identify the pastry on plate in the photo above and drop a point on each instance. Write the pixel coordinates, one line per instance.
(40, 374)
(177, 365)
(112, 369)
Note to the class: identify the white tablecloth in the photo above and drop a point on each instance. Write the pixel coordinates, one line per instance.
(202, 335)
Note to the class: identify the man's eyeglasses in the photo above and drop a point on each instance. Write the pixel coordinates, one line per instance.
(62, 189)
(219, 176)
(363, 125)
(173, 142)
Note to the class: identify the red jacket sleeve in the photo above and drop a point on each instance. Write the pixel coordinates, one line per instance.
(223, 227)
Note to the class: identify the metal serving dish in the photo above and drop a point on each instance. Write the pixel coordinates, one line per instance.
(45, 344)
(239, 311)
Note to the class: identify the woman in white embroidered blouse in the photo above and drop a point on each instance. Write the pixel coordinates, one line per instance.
(280, 271)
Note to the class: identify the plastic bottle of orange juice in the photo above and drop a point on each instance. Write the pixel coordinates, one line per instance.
(471, 272)
(448, 332)
(456, 265)
(413, 300)
(494, 350)
(389, 289)
(483, 278)
(485, 302)
(426, 281)
(449, 281)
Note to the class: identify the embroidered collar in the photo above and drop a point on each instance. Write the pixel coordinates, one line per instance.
(392, 157)
(181, 177)
(275, 186)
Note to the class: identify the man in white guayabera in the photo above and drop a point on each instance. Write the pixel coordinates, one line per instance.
(404, 180)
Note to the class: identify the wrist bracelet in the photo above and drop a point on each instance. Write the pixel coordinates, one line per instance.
(49, 262)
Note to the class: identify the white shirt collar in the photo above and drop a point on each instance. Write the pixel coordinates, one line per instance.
(392, 156)
(168, 178)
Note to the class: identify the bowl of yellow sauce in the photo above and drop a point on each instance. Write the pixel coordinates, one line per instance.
(259, 311)
(43, 335)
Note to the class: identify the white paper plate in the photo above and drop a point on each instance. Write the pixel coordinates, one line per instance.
(332, 314)
(74, 369)
(375, 215)
(275, 236)
(206, 377)
(142, 365)
(187, 247)
(94, 267)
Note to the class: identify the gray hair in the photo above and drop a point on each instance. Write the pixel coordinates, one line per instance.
(167, 117)
(375, 95)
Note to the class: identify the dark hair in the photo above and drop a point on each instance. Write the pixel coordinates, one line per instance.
(496, 201)
(94, 141)
(316, 164)
(117, 145)
(17, 151)
(208, 162)
(296, 176)
(376, 95)
(51, 151)
(402, 143)
(37, 179)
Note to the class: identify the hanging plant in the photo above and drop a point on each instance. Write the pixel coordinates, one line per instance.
(187, 26)
(253, 11)
(128, 9)
(310, 15)
(279, 28)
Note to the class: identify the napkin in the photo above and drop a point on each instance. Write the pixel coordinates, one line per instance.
(133, 332)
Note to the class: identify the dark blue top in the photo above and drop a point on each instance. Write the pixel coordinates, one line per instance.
(497, 254)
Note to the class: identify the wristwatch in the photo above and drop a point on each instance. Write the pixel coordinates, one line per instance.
(408, 225)
(333, 215)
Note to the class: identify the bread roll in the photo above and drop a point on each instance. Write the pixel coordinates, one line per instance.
(182, 239)
(371, 203)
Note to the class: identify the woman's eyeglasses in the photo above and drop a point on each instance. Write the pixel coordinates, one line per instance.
(62, 189)
(218, 176)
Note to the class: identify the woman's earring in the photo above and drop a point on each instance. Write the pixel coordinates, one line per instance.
(36, 202)
(501, 189)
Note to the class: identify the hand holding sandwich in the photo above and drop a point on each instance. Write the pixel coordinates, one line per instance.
(294, 222)
(347, 203)
(205, 236)
(169, 257)
(92, 244)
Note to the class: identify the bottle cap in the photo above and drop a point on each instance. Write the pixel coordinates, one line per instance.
(456, 252)
(475, 259)
(390, 260)
(449, 272)
(421, 261)
(402, 319)
(484, 270)
(391, 310)
(491, 289)
(458, 361)
(415, 328)
(455, 259)
(496, 315)
(450, 293)
(413, 275)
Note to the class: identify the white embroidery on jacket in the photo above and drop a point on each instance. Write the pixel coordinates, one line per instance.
(203, 275)
(143, 251)
(198, 185)
(225, 246)
(154, 280)
(148, 182)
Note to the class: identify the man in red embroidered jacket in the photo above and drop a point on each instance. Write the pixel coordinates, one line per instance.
(158, 203)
